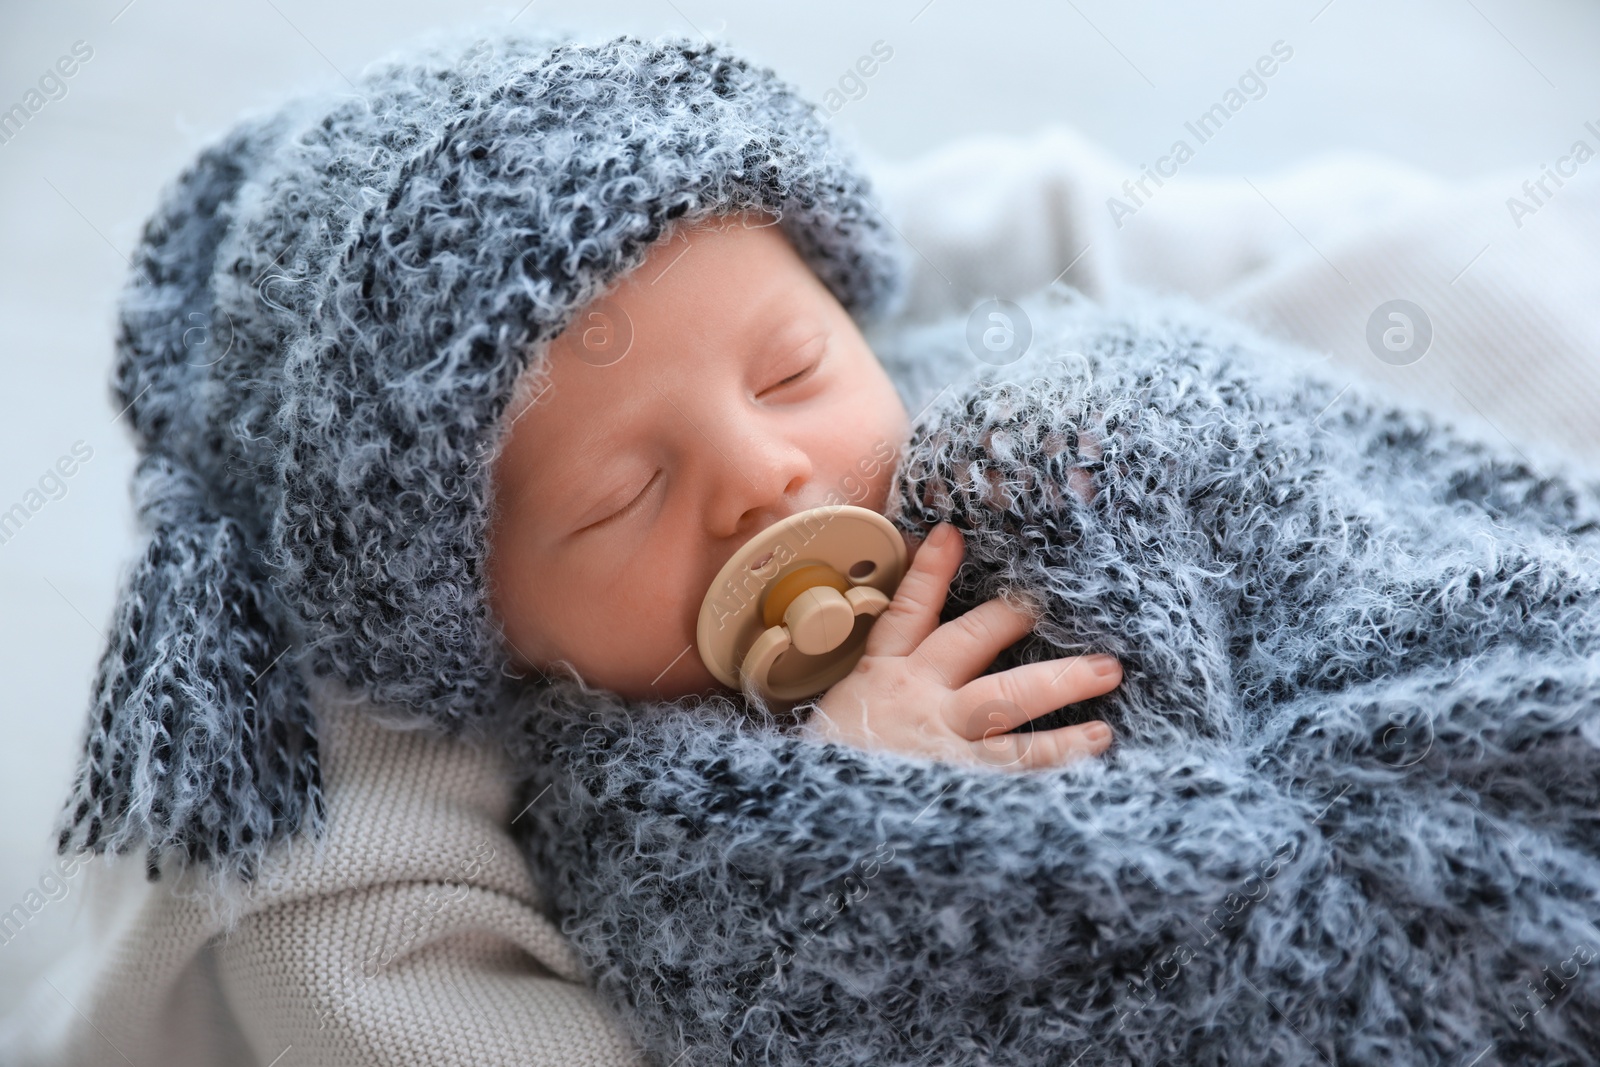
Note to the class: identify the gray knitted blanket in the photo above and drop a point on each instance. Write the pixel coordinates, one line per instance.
(1352, 815)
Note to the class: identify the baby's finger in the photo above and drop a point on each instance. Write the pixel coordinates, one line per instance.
(913, 613)
(1057, 748)
(1002, 749)
(1010, 698)
(962, 648)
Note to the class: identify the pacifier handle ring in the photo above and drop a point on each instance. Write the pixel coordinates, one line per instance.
(756, 667)
(757, 664)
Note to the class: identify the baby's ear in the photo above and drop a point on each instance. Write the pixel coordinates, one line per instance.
(201, 742)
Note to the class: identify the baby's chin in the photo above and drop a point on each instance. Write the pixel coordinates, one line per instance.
(686, 677)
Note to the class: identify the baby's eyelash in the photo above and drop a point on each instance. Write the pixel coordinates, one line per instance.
(797, 374)
(624, 509)
(817, 344)
(803, 372)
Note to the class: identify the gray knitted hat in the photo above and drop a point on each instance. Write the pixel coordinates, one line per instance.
(329, 313)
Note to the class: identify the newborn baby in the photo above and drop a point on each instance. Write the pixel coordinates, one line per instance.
(1170, 497)
(717, 389)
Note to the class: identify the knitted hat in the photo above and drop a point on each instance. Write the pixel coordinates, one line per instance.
(330, 311)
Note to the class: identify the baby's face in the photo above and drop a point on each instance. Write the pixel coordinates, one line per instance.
(747, 394)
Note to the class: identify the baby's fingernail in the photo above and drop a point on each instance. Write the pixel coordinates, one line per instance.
(1097, 732)
(940, 535)
(1101, 663)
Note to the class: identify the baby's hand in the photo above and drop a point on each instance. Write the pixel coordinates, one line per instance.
(917, 689)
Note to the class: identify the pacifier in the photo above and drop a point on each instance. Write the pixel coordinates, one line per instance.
(788, 614)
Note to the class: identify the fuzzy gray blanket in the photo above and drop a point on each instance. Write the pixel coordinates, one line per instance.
(1352, 815)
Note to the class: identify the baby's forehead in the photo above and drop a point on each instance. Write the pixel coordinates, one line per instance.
(709, 298)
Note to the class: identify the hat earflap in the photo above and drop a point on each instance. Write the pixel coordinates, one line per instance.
(201, 742)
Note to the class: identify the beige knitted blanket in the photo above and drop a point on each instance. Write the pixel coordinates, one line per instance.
(411, 933)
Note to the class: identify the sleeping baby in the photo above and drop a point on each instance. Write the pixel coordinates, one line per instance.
(1173, 504)
(746, 394)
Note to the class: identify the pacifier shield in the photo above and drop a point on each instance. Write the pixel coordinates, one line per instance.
(788, 614)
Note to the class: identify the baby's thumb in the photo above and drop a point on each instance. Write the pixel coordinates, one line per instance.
(913, 612)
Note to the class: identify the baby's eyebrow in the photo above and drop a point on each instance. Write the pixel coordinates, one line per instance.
(793, 331)
(590, 503)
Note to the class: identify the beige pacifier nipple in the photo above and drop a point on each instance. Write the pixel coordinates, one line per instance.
(788, 614)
